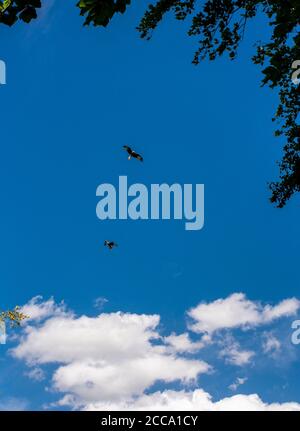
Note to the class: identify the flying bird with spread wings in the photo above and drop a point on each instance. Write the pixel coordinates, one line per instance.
(110, 244)
(132, 153)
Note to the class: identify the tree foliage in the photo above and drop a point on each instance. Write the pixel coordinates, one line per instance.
(4, 5)
(13, 10)
(15, 316)
(100, 12)
(219, 27)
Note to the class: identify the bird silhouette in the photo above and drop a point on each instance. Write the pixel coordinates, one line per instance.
(110, 244)
(132, 153)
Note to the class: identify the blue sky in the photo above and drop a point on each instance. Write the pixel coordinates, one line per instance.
(74, 97)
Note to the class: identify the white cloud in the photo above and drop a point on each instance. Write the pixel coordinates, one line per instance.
(233, 354)
(236, 311)
(36, 374)
(197, 400)
(114, 381)
(270, 345)
(107, 357)
(183, 344)
(108, 336)
(37, 309)
(109, 361)
(238, 382)
(287, 307)
(237, 357)
(13, 404)
(100, 302)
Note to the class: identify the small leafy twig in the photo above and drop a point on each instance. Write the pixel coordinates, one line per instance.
(15, 317)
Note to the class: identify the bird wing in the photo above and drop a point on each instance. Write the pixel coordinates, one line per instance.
(137, 156)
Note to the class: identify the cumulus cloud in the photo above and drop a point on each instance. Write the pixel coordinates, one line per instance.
(197, 400)
(107, 357)
(37, 309)
(183, 344)
(110, 381)
(68, 338)
(111, 361)
(236, 311)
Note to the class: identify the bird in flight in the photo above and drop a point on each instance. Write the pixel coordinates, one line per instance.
(132, 153)
(110, 244)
